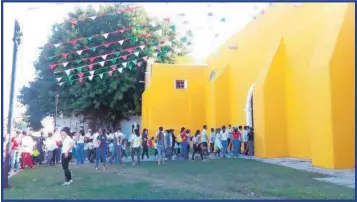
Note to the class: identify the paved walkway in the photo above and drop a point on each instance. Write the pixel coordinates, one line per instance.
(344, 177)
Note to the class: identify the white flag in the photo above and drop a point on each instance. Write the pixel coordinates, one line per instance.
(105, 35)
(121, 42)
(90, 77)
(159, 32)
(79, 52)
(136, 54)
(120, 70)
(101, 75)
(59, 79)
(142, 47)
(91, 72)
(168, 43)
(102, 63)
(60, 84)
(65, 64)
(68, 71)
(124, 64)
(93, 17)
(145, 58)
(155, 54)
(153, 24)
(57, 44)
(104, 56)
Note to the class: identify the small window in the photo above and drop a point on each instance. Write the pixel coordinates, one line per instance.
(180, 84)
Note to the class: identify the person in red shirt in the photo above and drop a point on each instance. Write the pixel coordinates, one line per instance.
(15, 151)
(236, 135)
(184, 143)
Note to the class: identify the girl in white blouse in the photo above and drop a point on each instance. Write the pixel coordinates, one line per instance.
(224, 140)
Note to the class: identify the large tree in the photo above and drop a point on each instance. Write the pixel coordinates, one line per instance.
(102, 96)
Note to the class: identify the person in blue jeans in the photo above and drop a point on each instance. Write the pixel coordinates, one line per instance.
(80, 147)
(224, 140)
(101, 149)
(236, 142)
(161, 143)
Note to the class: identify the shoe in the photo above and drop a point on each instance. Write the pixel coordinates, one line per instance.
(66, 183)
(71, 181)
(133, 164)
(96, 168)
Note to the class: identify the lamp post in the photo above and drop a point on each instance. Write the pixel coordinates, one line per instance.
(17, 41)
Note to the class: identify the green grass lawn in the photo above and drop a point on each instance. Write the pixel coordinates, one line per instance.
(216, 179)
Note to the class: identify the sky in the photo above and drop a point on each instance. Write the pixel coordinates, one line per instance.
(36, 20)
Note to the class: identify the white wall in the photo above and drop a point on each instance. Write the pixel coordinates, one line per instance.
(126, 124)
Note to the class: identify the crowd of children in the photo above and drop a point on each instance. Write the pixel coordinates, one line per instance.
(111, 146)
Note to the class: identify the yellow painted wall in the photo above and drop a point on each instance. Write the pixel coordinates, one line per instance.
(163, 105)
(301, 60)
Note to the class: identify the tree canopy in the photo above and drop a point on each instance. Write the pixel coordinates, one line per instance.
(95, 61)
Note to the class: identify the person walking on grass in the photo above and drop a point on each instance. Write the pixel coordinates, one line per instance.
(161, 143)
(251, 142)
(50, 146)
(67, 145)
(196, 144)
(27, 147)
(145, 144)
(229, 139)
(101, 149)
(184, 143)
(235, 136)
(117, 144)
(135, 146)
(218, 143)
(204, 142)
(212, 139)
(224, 140)
(80, 147)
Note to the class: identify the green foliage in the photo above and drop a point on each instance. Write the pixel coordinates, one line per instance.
(106, 100)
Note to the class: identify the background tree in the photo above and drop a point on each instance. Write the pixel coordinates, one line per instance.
(104, 99)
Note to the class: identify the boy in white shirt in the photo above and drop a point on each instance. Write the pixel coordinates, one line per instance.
(27, 146)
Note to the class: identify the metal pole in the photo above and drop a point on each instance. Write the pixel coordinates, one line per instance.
(16, 41)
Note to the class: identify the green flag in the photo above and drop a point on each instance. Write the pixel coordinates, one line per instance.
(134, 39)
(78, 61)
(117, 54)
(113, 60)
(173, 27)
(79, 69)
(93, 49)
(89, 38)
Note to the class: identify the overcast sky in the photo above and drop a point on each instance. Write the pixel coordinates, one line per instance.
(36, 20)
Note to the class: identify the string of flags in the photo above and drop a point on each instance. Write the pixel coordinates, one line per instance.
(102, 63)
(74, 41)
(112, 69)
(130, 50)
(122, 10)
(94, 48)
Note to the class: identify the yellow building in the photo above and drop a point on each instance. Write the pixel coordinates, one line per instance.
(291, 77)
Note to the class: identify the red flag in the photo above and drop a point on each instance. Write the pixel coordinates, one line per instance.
(64, 55)
(139, 63)
(92, 59)
(124, 57)
(90, 66)
(107, 45)
(73, 42)
(80, 79)
(129, 10)
(130, 50)
(114, 67)
(80, 74)
(74, 21)
(52, 66)
(146, 35)
(110, 72)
